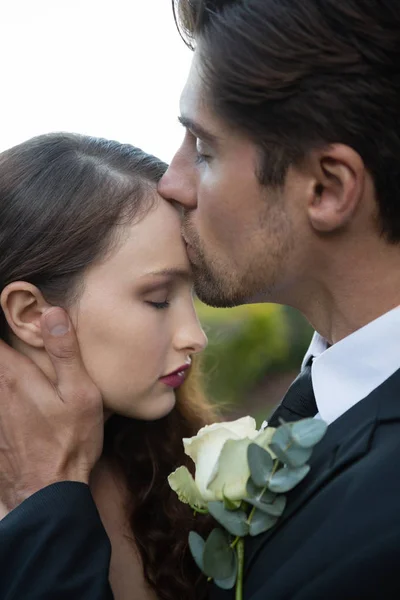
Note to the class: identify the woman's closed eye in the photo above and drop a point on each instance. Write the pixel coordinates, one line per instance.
(158, 305)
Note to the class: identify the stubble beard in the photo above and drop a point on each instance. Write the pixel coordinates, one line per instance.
(216, 282)
(223, 285)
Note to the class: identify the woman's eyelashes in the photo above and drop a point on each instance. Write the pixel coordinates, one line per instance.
(158, 305)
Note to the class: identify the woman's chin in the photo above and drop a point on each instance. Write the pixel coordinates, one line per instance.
(151, 408)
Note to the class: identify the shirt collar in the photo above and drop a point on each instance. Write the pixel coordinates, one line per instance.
(317, 346)
(345, 373)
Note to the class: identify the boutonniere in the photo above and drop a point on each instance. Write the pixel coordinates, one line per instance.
(241, 478)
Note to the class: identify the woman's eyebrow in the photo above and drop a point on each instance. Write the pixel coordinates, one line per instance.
(171, 273)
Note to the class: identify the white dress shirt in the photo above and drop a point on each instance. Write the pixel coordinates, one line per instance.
(345, 373)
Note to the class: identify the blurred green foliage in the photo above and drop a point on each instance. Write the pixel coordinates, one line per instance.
(248, 342)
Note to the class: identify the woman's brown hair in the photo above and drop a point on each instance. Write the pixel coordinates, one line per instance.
(62, 197)
(146, 453)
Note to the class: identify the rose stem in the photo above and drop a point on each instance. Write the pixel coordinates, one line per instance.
(240, 559)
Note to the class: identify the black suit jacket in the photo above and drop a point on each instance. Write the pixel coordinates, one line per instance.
(54, 547)
(339, 538)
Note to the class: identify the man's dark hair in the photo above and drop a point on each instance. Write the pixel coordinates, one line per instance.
(295, 75)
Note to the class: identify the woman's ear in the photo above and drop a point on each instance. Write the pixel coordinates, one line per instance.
(23, 305)
(338, 190)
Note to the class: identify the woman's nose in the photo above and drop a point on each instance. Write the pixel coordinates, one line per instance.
(191, 338)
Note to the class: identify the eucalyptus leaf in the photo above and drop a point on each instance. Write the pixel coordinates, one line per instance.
(219, 559)
(196, 545)
(275, 508)
(227, 584)
(293, 455)
(234, 521)
(261, 522)
(287, 478)
(260, 464)
(308, 432)
(282, 436)
(252, 489)
(258, 493)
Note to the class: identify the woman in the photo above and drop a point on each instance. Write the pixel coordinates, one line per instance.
(82, 226)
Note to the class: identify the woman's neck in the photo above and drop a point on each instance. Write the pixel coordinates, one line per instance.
(112, 501)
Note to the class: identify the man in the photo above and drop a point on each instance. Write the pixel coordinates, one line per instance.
(289, 174)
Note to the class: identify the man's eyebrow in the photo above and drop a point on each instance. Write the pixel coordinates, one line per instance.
(198, 130)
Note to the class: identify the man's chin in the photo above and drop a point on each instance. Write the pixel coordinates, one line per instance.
(214, 296)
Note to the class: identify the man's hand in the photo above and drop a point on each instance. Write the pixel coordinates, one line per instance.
(48, 432)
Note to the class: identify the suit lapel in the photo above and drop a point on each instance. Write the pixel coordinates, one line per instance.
(346, 441)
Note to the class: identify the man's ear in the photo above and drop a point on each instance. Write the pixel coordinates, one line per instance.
(339, 175)
(23, 304)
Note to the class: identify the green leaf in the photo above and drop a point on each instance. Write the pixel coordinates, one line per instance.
(227, 584)
(261, 522)
(218, 558)
(293, 455)
(286, 449)
(234, 521)
(260, 464)
(274, 508)
(286, 479)
(282, 436)
(196, 545)
(258, 493)
(308, 432)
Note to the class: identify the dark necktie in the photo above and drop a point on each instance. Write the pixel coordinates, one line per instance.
(298, 402)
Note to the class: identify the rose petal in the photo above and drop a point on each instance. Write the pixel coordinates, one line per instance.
(184, 485)
(205, 448)
(215, 437)
(232, 471)
(264, 438)
(205, 452)
(243, 427)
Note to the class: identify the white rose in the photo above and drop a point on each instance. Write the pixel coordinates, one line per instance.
(219, 452)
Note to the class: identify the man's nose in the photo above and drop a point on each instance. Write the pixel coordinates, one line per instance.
(178, 183)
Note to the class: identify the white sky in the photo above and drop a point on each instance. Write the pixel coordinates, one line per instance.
(110, 68)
